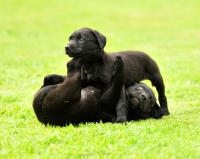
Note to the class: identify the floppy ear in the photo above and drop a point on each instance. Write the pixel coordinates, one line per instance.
(100, 38)
(157, 112)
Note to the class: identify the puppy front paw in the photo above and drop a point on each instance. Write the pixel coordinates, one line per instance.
(118, 68)
(121, 119)
(118, 63)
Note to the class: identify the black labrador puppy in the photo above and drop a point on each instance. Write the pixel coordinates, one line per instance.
(97, 69)
(62, 100)
(140, 101)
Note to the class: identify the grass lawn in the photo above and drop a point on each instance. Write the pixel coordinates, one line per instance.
(33, 35)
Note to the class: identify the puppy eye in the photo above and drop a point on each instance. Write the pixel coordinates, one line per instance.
(80, 39)
(150, 100)
(70, 38)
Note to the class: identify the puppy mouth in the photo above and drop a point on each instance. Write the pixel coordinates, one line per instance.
(96, 53)
(135, 102)
(72, 53)
(139, 104)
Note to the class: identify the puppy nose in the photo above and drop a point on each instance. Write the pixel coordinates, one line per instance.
(67, 47)
(143, 96)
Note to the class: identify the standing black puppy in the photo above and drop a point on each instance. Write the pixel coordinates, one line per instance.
(97, 71)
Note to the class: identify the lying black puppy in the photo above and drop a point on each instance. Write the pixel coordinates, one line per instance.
(140, 101)
(97, 70)
(68, 103)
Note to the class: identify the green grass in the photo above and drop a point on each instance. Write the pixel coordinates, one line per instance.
(33, 35)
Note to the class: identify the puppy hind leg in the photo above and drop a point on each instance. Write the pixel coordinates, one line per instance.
(157, 81)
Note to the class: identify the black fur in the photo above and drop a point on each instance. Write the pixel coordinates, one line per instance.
(64, 101)
(140, 101)
(49, 108)
(98, 66)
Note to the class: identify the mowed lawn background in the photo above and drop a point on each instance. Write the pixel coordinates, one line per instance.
(33, 35)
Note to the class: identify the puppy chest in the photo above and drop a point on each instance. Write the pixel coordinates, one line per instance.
(96, 77)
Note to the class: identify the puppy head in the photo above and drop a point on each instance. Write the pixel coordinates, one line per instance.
(85, 41)
(143, 101)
